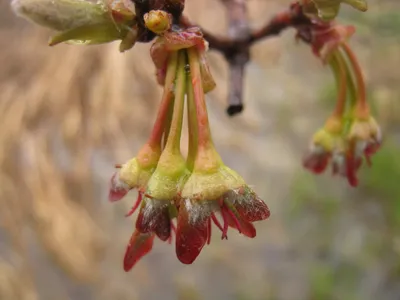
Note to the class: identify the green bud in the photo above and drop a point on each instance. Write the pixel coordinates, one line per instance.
(80, 22)
(61, 15)
(157, 21)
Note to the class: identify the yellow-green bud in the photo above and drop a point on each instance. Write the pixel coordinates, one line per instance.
(157, 21)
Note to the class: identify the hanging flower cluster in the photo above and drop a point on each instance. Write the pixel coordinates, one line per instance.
(192, 189)
(186, 195)
(350, 133)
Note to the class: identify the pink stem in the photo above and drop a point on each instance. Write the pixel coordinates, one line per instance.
(158, 129)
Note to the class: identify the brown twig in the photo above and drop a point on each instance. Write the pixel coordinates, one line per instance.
(238, 29)
(235, 47)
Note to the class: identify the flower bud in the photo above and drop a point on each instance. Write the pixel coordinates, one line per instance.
(79, 22)
(158, 21)
(61, 15)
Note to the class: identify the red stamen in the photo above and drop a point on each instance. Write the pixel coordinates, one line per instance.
(216, 222)
(137, 203)
(209, 232)
(235, 219)
(226, 224)
(351, 167)
(118, 166)
(173, 230)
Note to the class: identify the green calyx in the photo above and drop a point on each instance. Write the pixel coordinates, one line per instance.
(211, 184)
(137, 171)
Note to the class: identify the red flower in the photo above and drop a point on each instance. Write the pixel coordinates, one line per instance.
(238, 206)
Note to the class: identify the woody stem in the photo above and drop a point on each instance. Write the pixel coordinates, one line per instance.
(158, 128)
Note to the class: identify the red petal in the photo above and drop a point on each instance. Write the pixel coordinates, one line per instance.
(190, 238)
(139, 245)
(316, 163)
(250, 207)
(154, 217)
(370, 150)
(118, 188)
(352, 166)
(209, 231)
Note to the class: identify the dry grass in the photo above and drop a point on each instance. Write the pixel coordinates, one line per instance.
(60, 107)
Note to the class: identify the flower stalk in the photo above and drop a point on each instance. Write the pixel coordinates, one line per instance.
(192, 124)
(362, 108)
(207, 158)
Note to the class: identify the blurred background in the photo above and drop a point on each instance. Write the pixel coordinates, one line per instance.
(69, 113)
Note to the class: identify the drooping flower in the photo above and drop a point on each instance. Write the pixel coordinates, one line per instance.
(194, 189)
(171, 173)
(323, 145)
(212, 187)
(137, 172)
(351, 133)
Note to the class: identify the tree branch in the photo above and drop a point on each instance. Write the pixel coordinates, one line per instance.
(236, 46)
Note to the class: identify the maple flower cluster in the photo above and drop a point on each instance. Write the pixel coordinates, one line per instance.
(350, 134)
(190, 189)
(185, 196)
